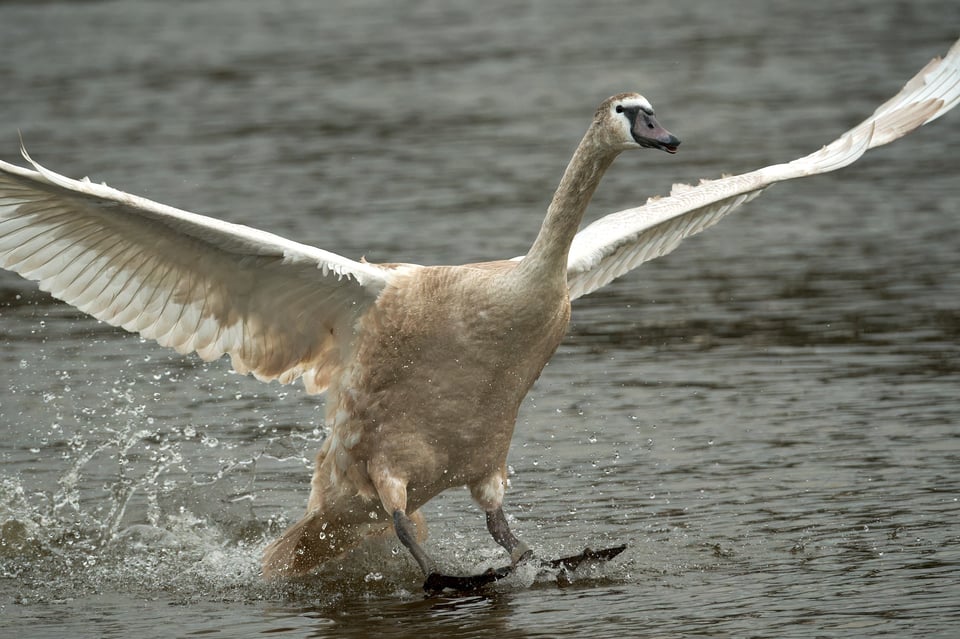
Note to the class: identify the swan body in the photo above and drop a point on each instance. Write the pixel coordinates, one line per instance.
(424, 367)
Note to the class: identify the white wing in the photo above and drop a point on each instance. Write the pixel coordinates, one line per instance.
(280, 309)
(619, 242)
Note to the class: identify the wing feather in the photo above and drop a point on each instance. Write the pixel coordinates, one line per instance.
(280, 309)
(619, 242)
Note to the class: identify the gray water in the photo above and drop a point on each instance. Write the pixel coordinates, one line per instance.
(768, 416)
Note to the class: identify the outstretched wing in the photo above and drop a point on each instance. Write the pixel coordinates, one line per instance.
(619, 242)
(280, 309)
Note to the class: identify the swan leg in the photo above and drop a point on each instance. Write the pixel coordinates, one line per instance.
(407, 533)
(489, 494)
(501, 533)
(393, 496)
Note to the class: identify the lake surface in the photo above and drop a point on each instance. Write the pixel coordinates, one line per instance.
(769, 416)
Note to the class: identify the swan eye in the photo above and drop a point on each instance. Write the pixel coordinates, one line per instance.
(619, 108)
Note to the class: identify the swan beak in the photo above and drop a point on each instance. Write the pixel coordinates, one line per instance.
(648, 133)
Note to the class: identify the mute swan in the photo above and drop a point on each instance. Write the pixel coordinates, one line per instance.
(424, 367)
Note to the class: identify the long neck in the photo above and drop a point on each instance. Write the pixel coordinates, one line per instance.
(548, 255)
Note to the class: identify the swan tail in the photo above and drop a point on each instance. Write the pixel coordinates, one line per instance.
(319, 537)
(311, 541)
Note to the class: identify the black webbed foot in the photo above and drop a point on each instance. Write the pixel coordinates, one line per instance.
(573, 561)
(437, 583)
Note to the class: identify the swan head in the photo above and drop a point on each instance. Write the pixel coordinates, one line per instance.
(629, 123)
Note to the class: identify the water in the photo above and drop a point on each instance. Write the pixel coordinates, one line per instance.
(768, 417)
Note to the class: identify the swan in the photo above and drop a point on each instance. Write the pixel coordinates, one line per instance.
(424, 367)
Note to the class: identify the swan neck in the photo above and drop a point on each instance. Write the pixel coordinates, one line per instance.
(548, 255)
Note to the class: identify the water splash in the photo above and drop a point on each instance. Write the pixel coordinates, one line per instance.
(127, 513)
(135, 505)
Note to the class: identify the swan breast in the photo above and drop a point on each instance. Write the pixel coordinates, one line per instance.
(442, 362)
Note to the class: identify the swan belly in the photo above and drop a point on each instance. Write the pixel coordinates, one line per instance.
(431, 398)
